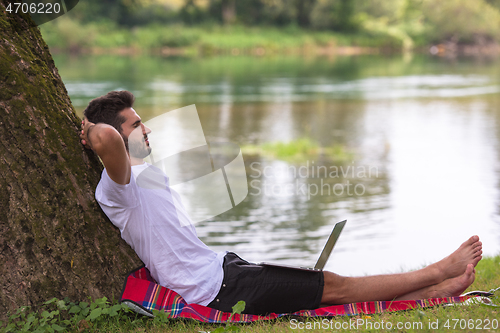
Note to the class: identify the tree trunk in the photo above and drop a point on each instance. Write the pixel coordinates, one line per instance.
(304, 8)
(54, 239)
(228, 11)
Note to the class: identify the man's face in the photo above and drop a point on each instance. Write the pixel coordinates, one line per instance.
(135, 134)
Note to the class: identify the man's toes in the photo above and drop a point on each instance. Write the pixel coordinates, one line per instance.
(470, 241)
(476, 260)
(477, 245)
(473, 239)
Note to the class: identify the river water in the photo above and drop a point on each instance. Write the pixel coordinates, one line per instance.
(423, 134)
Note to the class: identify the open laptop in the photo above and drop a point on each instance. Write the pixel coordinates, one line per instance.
(325, 254)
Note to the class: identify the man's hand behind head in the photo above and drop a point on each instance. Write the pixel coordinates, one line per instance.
(84, 135)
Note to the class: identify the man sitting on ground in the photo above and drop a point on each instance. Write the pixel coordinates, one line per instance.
(153, 224)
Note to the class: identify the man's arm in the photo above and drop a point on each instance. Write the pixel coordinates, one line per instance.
(106, 142)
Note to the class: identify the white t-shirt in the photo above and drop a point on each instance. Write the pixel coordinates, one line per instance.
(154, 223)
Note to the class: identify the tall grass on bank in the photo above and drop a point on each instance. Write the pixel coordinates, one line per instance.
(65, 34)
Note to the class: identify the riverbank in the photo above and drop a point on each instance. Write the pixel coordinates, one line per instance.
(65, 35)
(69, 36)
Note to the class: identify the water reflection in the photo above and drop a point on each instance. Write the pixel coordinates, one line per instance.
(429, 128)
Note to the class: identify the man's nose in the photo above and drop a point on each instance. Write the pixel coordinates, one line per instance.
(146, 129)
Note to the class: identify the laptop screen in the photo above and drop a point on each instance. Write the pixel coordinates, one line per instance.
(327, 250)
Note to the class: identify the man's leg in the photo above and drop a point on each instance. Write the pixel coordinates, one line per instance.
(448, 277)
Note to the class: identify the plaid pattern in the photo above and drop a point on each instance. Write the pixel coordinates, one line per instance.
(140, 290)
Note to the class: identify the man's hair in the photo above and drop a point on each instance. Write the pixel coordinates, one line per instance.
(106, 109)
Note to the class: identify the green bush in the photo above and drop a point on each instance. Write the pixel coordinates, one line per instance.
(67, 33)
(460, 20)
(62, 315)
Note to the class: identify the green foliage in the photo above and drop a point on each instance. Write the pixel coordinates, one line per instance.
(65, 33)
(154, 23)
(96, 316)
(160, 317)
(60, 315)
(121, 12)
(412, 22)
(336, 15)
(105, 34)
(460, 20)
(396, 19)
(71, 35)
(238, 308)
(273, 26)
(299, 150)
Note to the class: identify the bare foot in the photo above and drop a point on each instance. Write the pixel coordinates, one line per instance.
(449, 287)
(454, 286)
(455, 264)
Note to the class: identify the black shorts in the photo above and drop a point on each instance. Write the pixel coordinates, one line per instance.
(267, 289)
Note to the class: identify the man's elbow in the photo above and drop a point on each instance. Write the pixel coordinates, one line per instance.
(107, 139)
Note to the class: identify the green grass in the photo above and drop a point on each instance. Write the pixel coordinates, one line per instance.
(299, 150)
(66, 34)
(103, 316)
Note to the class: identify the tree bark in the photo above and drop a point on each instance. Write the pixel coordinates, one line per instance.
(54, 239)
(304, 8)
(228, 11)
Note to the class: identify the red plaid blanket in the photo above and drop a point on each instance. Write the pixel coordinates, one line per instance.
(142, 294)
